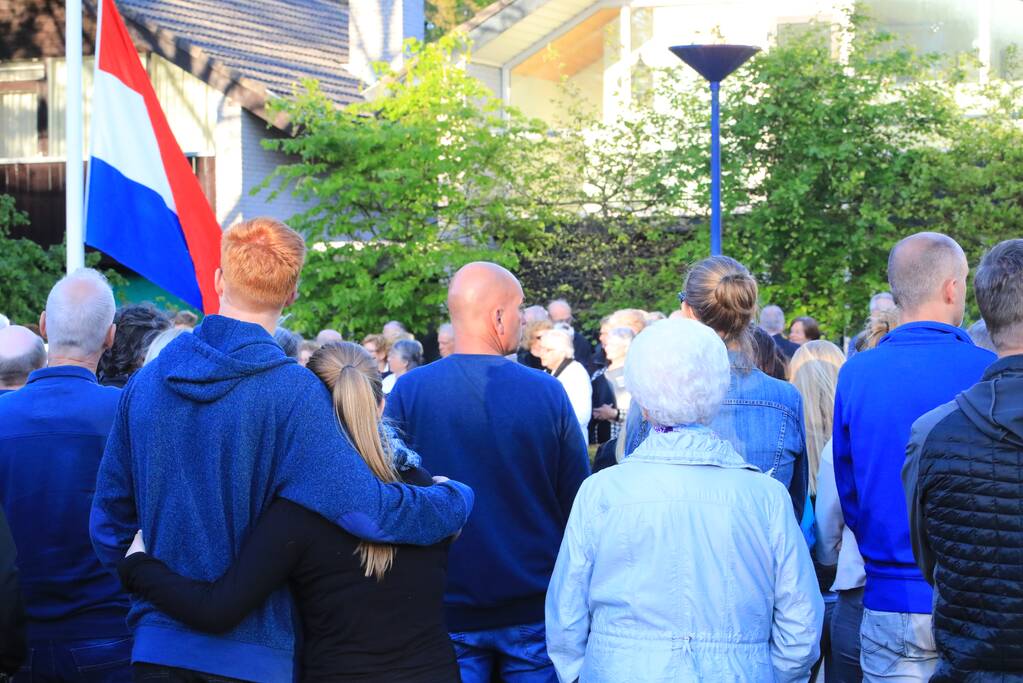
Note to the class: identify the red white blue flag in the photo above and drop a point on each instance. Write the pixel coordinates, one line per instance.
(144, 205)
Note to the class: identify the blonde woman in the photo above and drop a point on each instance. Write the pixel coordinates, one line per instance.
(529, 346)
(368, 611)
(814, 373)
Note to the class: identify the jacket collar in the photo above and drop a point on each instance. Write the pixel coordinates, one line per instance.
(696, 445)
(71, 371)
(925, 331)
(1010, 365)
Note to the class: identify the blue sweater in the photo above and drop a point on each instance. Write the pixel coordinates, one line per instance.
(914, 369)
(510, 433)
(205, 438)
(52, 435)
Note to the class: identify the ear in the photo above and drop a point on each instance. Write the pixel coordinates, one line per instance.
(292, 298)
(218, 282)
(499, 320)
(42, 325)
(948, 291)
(108, 341)
(688, 312)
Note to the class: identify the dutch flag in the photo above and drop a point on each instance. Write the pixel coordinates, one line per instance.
(144, 206)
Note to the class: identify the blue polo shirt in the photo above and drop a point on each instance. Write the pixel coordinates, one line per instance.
(52, 435)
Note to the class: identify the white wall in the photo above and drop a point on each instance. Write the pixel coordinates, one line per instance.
(242, 164)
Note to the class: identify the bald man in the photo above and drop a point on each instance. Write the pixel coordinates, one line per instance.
(21, 353)
(510, 433)
(921, 364)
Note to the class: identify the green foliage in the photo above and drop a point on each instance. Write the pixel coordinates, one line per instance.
(827, 162)
(28, 271)
(444, 15)
(407, 188)
(839, 160)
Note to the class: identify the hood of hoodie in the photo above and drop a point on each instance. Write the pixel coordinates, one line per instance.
(206, 365)
(995, 404)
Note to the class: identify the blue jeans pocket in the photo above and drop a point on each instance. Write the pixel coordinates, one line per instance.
(91, 656)
(532, 644)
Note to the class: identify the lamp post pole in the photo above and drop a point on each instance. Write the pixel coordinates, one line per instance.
(714, 63)
(715, 169)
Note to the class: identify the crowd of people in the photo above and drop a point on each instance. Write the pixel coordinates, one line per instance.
(709, 495)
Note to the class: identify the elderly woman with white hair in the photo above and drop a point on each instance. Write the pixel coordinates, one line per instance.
(557, 355)
(684, 563)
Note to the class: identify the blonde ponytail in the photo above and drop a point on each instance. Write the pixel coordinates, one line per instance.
(352, 376)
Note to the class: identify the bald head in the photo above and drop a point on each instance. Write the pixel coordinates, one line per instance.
(21, 352)
(560, 311)
(927, 274)
(484, 301)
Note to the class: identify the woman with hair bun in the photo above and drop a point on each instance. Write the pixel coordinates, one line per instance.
(762, 417)
(369, 611)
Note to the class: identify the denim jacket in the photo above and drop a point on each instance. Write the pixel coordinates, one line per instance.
(762, 418)
(683, 564)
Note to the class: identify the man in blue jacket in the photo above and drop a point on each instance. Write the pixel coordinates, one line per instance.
(52, 435)
(920, 365)
(509, 431)
(214, 429)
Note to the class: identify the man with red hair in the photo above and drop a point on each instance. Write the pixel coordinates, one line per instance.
(209, 433)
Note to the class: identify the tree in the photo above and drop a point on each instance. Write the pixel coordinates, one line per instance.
(406, 188)
(827, 150)
(827, 162)
(29, 271)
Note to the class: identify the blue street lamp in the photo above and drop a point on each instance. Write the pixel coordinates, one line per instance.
(715, 62)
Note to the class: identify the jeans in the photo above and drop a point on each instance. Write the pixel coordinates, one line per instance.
(158, 673)
(844, 666)
(91, 660)
(897, 646)
(513, 654)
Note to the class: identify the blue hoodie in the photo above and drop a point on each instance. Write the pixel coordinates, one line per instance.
(914, 369)
(205, 438)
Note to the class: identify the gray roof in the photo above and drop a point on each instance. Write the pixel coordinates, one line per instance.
(273, 42)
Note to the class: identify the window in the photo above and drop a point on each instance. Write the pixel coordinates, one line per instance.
(20, 108)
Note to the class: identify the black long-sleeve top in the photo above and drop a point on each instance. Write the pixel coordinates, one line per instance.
(354, 628)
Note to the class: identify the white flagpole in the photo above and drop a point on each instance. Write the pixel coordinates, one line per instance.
(74, 173)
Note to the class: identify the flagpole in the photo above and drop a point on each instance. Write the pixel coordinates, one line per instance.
(74, 173)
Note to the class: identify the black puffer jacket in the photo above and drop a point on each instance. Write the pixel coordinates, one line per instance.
(964, 487)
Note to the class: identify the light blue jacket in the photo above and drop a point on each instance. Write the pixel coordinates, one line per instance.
(684, 563)
(762, 417)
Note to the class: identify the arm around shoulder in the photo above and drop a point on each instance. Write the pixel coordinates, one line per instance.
(321, 471)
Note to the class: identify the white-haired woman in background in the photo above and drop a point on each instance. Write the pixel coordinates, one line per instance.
(557, 356)
(684, 563)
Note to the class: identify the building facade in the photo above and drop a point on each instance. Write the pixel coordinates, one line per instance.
(606, 51)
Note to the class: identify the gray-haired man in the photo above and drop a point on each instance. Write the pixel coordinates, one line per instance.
(52, 435)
